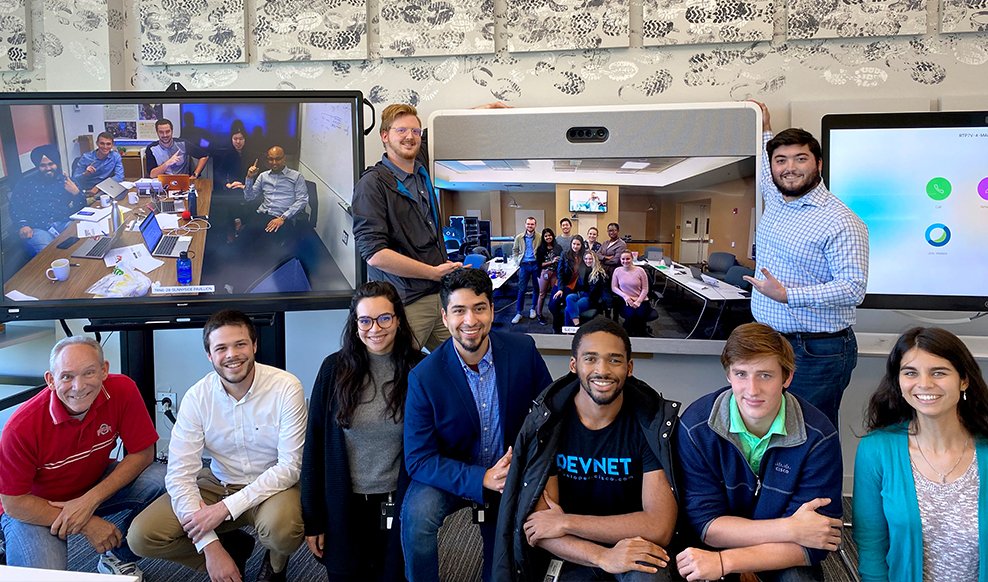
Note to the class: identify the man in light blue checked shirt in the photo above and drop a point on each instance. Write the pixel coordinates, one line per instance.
(283, 190)
(812, 266)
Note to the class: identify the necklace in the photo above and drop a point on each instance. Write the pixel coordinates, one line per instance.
(943, 476)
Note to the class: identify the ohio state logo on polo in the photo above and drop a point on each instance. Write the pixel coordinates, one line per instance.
(104, 429)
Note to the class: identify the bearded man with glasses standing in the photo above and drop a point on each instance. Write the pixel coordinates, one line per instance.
(396, 223)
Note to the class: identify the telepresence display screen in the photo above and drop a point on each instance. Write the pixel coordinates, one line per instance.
(268, 226)
(922, 190)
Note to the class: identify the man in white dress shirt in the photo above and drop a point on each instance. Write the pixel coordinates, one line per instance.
(250, 419)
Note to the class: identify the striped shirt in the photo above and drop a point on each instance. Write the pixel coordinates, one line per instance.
(483, 386)
(285, 194)
(818, 249)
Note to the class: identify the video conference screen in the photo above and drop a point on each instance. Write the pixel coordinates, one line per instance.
(920, 183)
(263, 218)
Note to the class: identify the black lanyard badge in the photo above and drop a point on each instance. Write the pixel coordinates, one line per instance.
(387, 513)
(479, 511)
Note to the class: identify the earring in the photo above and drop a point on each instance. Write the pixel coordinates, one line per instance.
(964, 395)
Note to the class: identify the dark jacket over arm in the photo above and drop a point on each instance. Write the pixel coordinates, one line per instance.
(326, 487)
(534, 455)
(442, 427)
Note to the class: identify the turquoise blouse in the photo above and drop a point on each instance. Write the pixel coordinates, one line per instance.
(887, 527)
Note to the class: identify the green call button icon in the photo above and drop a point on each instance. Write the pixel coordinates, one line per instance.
(938, 188)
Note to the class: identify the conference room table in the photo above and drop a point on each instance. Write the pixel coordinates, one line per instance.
(681, 276)
(31, 279)
(500, 270)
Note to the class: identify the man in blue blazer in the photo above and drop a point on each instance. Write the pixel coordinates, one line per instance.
(466, 402)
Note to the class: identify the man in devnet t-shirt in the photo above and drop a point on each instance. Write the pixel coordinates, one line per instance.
(608, 507)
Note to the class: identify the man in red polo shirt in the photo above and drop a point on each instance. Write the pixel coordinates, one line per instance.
(57, 478)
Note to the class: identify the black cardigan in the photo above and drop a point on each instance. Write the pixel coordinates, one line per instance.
(326, 487)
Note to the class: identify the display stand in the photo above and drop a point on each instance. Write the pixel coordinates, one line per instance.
(137, 345)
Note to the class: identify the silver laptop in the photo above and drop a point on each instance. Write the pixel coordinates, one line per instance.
(160, 244)
(171, 205)
(654, 256)
(97, 249)
(112, 187)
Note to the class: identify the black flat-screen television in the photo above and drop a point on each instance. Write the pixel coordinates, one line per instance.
(56, 146)
(920, 183)
(587, 200)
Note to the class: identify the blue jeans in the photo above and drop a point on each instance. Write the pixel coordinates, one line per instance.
(422, 513)
(576, 303)
(42, 237)
(526, 271)
(33, 546)
(823, 370)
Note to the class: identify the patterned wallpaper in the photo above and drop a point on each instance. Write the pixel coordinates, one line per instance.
(183, 32)
(436, 27)
(540, 25)
(855, 18)
(777, 70)
(16, 55)
(706, 21)
(310, 30)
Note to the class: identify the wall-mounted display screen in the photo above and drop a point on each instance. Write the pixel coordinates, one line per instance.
(272, 239)
(920, 183)
(587, 200)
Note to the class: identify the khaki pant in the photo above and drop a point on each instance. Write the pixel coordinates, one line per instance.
(157, 533)
(426, 320)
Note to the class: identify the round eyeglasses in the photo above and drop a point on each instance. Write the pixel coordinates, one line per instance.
(403, 131)
(384, 321)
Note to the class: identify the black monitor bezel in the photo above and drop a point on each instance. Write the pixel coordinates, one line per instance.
(170, 307)
(906, 121)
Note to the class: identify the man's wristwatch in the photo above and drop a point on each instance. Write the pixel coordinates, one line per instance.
(195, 176)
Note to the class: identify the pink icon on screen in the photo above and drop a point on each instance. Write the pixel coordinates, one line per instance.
(983, 188)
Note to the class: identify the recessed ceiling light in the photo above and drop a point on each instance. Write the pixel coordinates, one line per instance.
(629, 165)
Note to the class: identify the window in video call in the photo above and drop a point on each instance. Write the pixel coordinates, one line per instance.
(56, 153)
(677, 208)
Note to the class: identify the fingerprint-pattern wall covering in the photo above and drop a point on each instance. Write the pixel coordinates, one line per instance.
(436, 27)
(16, 53)
(964, 16)
(185, 32)
(855, 18)
(311, 30)
(540, 25)
(669, 22)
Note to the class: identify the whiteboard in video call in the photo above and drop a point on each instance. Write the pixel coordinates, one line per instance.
(923, 192)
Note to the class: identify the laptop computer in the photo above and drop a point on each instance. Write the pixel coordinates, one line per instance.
(170, 206)
(175, 182)
(654, 256)
(97, 249)
(697, 273)
(110, 186)
(160, 244)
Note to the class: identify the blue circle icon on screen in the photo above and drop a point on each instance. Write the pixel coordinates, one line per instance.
(938, 234)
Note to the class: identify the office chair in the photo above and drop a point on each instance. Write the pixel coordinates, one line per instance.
(288, 276)
(474, 261)
(719, 263)
(313, 202)
(735, 276)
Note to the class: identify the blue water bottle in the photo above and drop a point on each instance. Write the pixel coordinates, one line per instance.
(184, 267)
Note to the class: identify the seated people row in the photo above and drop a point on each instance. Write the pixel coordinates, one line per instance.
(568, 269)
(592, 476)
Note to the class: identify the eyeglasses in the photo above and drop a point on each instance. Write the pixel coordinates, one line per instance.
(403, 131)
(384, 321)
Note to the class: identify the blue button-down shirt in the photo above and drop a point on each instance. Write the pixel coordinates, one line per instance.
(285, 194)
(529, 249)
(483, 386)
(109, 167)
(818, 249)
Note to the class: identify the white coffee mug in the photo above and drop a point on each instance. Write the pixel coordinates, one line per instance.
(59, 270)
(132, 197)
(104, 200)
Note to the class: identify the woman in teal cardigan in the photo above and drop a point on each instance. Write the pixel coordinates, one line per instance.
(921, 474)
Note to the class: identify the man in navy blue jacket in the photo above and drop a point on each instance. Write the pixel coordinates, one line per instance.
(760, 470)
(466, 402)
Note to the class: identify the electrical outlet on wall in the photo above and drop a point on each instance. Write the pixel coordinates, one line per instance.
(170, 397)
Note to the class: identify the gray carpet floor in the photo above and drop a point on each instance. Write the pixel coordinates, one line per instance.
(459, 557)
